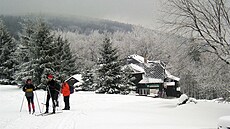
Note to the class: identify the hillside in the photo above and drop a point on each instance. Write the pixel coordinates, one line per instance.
(81, 24)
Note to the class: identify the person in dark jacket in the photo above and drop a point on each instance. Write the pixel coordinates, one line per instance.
(53, 90)
(28, 88)
(66, 94)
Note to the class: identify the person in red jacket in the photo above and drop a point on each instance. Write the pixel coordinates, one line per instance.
(66, 94)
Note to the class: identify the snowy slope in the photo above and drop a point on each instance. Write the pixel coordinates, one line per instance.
(103, 111)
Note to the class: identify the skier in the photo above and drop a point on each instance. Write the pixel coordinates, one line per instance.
(66, 93)
(53, 90)
(28, 88)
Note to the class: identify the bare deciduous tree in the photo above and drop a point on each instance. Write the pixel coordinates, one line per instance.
(206, 20)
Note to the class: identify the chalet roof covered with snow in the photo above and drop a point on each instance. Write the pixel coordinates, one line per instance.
(75, 80)
(148, 80)
(170, 76)
(138, 58)
(77, 76)
(137, 68)
(151, 69)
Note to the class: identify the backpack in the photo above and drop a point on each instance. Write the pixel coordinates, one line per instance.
(71, 88)
(57, 86)
(70, 82)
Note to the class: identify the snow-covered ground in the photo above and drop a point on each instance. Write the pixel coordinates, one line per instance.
(104, 111)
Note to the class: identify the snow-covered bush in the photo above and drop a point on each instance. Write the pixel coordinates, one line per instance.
(224, 122)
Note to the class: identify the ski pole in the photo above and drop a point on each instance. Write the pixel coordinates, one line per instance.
(45, 97)
(37, 101)
(22, 103)
(51, 96)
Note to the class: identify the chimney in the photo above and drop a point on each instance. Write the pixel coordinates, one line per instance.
(145, 58)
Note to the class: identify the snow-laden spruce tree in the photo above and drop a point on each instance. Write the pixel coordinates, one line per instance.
(64, 64)
(88, 80)
(7, 55)
(109, 73)
(127, 79)
(24, 69)
(36, 54)
(41, 53)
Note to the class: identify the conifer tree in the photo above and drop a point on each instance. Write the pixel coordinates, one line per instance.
(7, 55)
(127, 79)
(65, 61)
(24, 69)
(42, 52)
(36, 52)
(109, 71)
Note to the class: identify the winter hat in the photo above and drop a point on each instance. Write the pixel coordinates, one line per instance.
(50, 76)
(28, 80)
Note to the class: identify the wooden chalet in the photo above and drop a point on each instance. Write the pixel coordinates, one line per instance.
(152, 78)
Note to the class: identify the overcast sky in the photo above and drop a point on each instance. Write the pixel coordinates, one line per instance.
(140, 12)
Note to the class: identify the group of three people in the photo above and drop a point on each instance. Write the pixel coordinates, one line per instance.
(53, 90)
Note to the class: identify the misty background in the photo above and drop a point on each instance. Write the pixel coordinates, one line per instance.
(139, 12)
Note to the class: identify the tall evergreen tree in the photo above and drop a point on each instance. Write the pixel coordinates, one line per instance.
(7, 55)
(24, 69)
(43, 55)
(109, 72)
(65, 61)
(36, 52)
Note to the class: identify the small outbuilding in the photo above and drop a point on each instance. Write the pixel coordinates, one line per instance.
(75, 80)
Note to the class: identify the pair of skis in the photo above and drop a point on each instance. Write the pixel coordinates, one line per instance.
(50, 113)
(47, 114)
